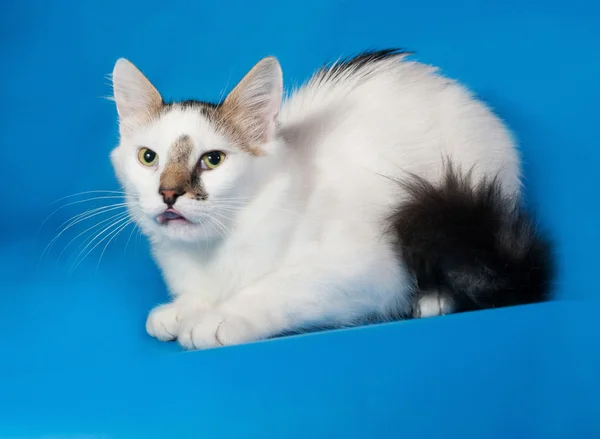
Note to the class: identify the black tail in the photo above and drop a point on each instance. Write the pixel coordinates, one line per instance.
(472, 243)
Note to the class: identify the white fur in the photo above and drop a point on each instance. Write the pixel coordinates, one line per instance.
(296, 237)
(433, 304)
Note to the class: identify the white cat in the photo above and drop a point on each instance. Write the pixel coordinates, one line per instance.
(267, 214)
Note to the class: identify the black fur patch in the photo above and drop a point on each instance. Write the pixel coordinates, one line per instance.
(356, 64)
(207, 109)
(472, 242)
(192, 103)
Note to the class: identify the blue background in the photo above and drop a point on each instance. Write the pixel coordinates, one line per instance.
(74, 357)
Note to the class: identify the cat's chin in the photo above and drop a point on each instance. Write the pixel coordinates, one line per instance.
(184, 231)
(187, 232)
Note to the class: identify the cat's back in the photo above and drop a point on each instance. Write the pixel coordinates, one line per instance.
(381, 112)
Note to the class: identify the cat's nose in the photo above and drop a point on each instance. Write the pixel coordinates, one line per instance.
(171, 195)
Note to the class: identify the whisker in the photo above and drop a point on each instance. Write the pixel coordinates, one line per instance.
(83, 217)
(220, 224)
(78, 202)
(208, 220)
(115, 217)
(85, 193)
(229, 208)
(232, 202)
(107, 234)
(74, 222)
(135, 227)
(115, 234)
(223, 216)
(111, 226)
(235, 198)
(234, 208)
(206, 242)
(222, 94)
(215, 228)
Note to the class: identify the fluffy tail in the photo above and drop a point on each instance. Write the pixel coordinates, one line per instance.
(471, 244)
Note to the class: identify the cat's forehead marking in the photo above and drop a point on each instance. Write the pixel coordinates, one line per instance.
(177, 173)
(223, 119)
(180, 151)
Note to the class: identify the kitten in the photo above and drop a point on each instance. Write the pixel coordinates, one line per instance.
(379, 189)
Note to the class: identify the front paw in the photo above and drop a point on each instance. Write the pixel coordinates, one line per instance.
(211, 329)
(163, 322)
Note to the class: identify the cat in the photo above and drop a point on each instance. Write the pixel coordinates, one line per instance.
(378, 190)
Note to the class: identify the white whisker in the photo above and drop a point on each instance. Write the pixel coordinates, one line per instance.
(226, 231)
(115, 217)
(85, 193)
(112, 227)
(84, 216)
(232, 203)
(235, 208)
(78, 202)
(223, 216)
(229, 208)
(135, 227)
(75, 221)
(222, 94)
(115, 234)
(234, 198)
(215, 228)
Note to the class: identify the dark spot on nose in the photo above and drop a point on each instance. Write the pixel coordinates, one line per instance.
(170, 195)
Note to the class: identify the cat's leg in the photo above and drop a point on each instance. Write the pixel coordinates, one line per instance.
(295, 298)
(183, 276)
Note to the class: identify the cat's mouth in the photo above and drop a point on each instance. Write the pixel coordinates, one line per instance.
(170, 215)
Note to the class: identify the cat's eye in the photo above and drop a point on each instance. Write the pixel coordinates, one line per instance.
(147, 157)
(212, 159)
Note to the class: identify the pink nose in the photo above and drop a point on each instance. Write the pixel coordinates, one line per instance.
(171, 195)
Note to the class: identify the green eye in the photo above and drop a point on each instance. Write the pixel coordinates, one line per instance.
(147, 157)
(212, 159)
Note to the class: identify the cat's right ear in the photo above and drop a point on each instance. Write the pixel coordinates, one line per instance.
(253, 105)
(136, 98)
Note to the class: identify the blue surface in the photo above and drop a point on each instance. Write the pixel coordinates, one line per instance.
(74, 358)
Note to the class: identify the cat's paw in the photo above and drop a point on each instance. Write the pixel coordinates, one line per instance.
(211, 329)
(163, 322)
(433, 304)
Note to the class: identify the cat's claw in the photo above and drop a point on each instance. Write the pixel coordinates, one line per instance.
(163, 323)
(211, 329)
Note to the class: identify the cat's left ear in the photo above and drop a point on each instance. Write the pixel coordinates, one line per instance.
(253, 105)
(136, 98)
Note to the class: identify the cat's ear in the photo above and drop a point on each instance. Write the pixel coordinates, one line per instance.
(136, 98)
(253, 105)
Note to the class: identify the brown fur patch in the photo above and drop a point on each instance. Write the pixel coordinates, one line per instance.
(179, 174)
(145, 117)
(229, 119)
(236, 126)
(151, 113)
(181, 151)
(226, 119)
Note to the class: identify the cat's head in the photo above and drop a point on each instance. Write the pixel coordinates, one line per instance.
(187, 167)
